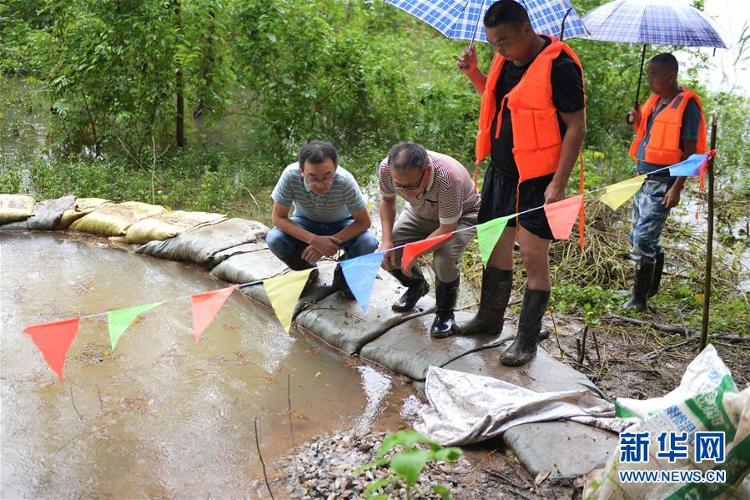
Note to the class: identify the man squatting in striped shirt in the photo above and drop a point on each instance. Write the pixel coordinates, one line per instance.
(441, 197)
(330, 214)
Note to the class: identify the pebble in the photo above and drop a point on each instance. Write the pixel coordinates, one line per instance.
(327, 467)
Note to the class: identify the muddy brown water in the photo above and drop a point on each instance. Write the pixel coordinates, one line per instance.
(160, 416)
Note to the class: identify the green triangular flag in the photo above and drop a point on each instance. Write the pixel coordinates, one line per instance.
(487, 235)
(119, 320)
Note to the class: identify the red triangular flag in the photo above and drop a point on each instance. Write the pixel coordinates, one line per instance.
(413, 250)
(54, 340)
(206, 305)
(703, 169)
(561, 216)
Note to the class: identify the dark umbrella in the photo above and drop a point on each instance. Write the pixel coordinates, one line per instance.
(462, 19)
(659, 22)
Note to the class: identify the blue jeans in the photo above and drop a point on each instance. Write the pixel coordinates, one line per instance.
(649, 217)
(282, 245)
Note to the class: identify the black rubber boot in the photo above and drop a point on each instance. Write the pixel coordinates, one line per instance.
(496, 288)
(314, 291)
(644, 273)
(523, 348)
(656, 279)
(446, 295)
(416, 288)
(295, 262)
(339, 283)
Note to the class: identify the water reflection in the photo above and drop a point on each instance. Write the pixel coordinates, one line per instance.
(161, 416)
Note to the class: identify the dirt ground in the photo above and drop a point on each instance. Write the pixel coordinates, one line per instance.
(623, 360)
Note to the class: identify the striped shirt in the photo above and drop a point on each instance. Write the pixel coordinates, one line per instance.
(450, 192)
(343, 199)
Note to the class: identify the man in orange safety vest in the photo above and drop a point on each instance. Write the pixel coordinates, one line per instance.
(532, 122)
(669, 127)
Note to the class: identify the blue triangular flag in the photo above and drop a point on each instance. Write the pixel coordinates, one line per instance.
(688, 167)
(360, 275)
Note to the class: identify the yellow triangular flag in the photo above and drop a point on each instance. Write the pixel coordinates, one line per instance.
(617, 194)
(283, 291)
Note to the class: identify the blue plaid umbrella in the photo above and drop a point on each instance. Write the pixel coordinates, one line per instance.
(462, 19)
(661, 22)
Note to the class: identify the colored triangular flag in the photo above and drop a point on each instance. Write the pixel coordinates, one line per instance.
(360, 275)
(704, 168)
(120, 319)
(54, 340)
(617, 194)
(688, 167)
(417, 248)
(561, 216)
(205, 306)
(283, 291)
(487, 235)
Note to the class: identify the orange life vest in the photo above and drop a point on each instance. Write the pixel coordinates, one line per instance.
(536, 132)
(663, 146)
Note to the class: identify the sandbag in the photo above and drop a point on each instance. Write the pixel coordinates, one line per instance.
(46, 215)
(168, 224)
(341, 323)
(201, 245)
(81, 207)
(255, 246)
(248, 266)
(408, 348)
(114, 220)
(543, 374)
(15, 207)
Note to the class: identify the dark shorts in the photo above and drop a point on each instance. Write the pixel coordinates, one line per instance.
(499, 199)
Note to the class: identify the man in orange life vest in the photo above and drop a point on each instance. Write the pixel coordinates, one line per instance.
(532, 122)
(669, 128)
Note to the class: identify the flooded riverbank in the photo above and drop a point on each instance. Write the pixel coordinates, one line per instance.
(160, 416)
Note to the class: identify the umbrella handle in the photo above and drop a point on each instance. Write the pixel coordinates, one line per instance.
(562, 25)
(640, 77)
(476, 26)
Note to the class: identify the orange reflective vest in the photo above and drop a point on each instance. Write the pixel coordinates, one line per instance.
(663, 146)
(536, 132)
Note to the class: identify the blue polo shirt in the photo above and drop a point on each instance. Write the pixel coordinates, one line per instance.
(343, 199)
(690, 123)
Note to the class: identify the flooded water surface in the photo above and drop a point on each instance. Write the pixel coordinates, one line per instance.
(161, 416)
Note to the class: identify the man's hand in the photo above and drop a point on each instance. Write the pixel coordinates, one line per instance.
(672, 196)
(634, 115)
(467, 63)
(555, 192)
(311, 255)
(326, 245)
(389, 259)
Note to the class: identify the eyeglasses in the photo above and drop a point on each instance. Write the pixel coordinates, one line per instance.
(410, 187)
(315, 180)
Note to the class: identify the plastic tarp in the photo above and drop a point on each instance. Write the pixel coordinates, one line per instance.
(46, 216)
(81, 207)
(341, 323)
(465, 408)
(115, 219)
(408, 348)
(200, 245)
(168, 224)
(15, 207)
(707, 399)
